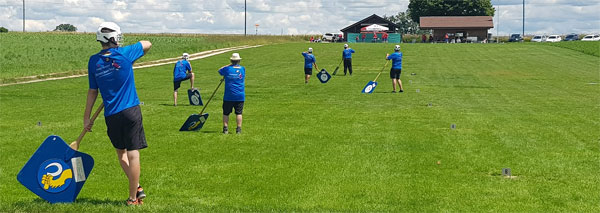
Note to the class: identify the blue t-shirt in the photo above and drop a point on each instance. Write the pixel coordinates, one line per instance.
(309, 59)
(396, 60)
(347, 53)
(111, 71)
(234, 82)
(180, 70)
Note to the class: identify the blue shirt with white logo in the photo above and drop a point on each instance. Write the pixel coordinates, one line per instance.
(234, 82)
(180, 70)
(396, 60)
(309, 59)
(347, 53)
(111, 71)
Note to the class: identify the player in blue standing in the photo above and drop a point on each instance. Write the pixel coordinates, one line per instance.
(234, 75)
(111, 72)
(347, 56)
(309, 61)
(181, 72)
(396, 70)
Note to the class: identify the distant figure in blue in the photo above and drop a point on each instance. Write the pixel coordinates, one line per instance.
(182, 72)
(235, 95)
(347, 56)
(309, 61)
(396, 70)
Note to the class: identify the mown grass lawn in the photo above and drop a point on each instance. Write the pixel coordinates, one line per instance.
(327, 147)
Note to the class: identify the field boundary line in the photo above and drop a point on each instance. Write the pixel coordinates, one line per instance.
(159, 62)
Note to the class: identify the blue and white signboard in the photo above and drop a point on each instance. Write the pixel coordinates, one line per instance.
(323, 76)
(369, 87)
(55, 172)
(194, 96)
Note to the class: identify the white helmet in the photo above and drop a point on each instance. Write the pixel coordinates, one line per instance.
(310, 50)
(345, 45)
(397, 48)
(185, 56)
(105, 37)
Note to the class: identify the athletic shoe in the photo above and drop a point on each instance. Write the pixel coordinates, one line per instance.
(394, 91)
(140, 193)
(401, 90)
(225, 130)
(135, 202)
(238, 130)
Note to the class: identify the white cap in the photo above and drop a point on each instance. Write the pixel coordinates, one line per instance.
(397, 48)
(185, 56)
(104, 37)
(235, 57)
(345, 45)
(310, 50)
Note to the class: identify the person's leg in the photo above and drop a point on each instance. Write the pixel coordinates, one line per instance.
(306, 78)
(350, 66)
(175, 98)
(192, 80)
(394, 84)
(345, 66)
(225, 121)
(130, 163)
(400, 84)
(238, 119)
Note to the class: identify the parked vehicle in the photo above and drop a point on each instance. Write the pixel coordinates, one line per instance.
(591, 38)
(328, 37)
(515, 38)
(538, 38)
(554, 38)
(572, 37)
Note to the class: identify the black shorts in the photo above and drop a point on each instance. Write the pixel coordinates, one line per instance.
(308, 71)
(395, 73)
(237, 105)
(177, 84)
(125, 129)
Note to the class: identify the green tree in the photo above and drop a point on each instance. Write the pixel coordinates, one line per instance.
(3, 30)
(405, 23)
(420, 8)
(66, 28)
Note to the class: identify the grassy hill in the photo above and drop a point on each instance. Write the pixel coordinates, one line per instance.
(327, 147)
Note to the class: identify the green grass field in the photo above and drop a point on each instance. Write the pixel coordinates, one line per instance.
(327, 147)
(27, 54)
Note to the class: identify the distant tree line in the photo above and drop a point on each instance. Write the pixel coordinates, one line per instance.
(3, 30)
(65, 28)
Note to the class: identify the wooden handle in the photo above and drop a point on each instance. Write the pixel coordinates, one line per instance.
(213, 94)
(75, 145)
(381, 70)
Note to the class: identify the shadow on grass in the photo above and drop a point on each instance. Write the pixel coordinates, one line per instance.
(79, 201)
(178, 105)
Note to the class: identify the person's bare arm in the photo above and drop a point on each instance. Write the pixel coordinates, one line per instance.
(91, 99)
(146, 46)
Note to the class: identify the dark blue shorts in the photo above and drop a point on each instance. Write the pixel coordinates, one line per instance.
(308, 71)
(395, 73)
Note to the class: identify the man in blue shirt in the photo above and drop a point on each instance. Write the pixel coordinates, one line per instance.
(111, 72)
(347, 56)
(309, 61)
(181, 72)
(235, 95)
(396, 70)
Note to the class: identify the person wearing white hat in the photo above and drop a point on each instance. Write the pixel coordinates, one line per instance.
(111, 72)
(347, 57)
(181, 72)
(234, 75)
(309, 61)
(396, 70)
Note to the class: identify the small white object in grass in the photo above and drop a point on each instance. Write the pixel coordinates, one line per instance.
(592, 83)
(429, 104)
(142, 103)
(452, 126)
(418, 90)
(39, 123)
(410, 81)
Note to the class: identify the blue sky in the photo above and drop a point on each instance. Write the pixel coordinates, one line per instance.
(276, 16)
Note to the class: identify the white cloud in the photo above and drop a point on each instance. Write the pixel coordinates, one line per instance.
(277, 16)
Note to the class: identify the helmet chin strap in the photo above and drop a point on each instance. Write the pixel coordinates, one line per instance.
(111, 41)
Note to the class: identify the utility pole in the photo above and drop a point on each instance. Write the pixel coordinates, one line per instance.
(498, 26)
(256, 25)
(244, 17)
(23, 15)
(523, 19)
